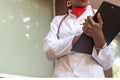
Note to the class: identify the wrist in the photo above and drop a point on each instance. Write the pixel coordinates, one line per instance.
(75, 39)
(99, 41)
(99, 48)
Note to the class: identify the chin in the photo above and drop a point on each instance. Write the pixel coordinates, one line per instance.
(83, 5)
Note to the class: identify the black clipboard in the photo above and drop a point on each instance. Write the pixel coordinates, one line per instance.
(110, 14)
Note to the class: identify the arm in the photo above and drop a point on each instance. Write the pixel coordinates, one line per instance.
(102, 53)
(53, 47)
(105, 57)
(94, 30)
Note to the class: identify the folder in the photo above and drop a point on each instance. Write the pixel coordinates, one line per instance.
(110, 14)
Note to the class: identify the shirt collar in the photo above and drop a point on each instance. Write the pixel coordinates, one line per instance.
(88, 8)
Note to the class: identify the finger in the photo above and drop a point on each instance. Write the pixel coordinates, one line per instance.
(85, 24)
(90, 20)
(83, 29)
(88, 25)
(99, 18)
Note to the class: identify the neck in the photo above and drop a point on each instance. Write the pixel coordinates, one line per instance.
(79, 6)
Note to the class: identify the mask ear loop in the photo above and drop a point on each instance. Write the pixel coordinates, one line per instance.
(69, 6)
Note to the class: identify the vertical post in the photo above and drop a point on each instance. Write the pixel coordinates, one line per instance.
(60, 7)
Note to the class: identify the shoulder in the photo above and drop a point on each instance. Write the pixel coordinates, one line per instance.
(90, 10)
(58, 18)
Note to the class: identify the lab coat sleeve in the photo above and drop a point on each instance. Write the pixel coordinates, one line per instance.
(105, 57)
(54, 47)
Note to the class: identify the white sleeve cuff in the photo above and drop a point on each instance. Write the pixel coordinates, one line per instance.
(105, 57)
(95, 54)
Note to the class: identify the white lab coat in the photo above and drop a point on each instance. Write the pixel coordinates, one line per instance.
(73, 64)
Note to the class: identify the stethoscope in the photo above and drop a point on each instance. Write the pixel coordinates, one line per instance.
(59, 26)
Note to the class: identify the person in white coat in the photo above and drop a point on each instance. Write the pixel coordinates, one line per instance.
(65, 30)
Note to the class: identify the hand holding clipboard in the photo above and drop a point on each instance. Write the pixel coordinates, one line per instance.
(110, 14)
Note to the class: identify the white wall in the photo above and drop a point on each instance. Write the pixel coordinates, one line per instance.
(23, 26)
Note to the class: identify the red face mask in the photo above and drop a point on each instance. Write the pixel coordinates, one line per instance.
(78, 11)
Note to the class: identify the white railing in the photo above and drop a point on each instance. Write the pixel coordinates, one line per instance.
(3, 75)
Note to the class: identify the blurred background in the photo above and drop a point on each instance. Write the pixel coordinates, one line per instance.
(23, 26)
(116, 64)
